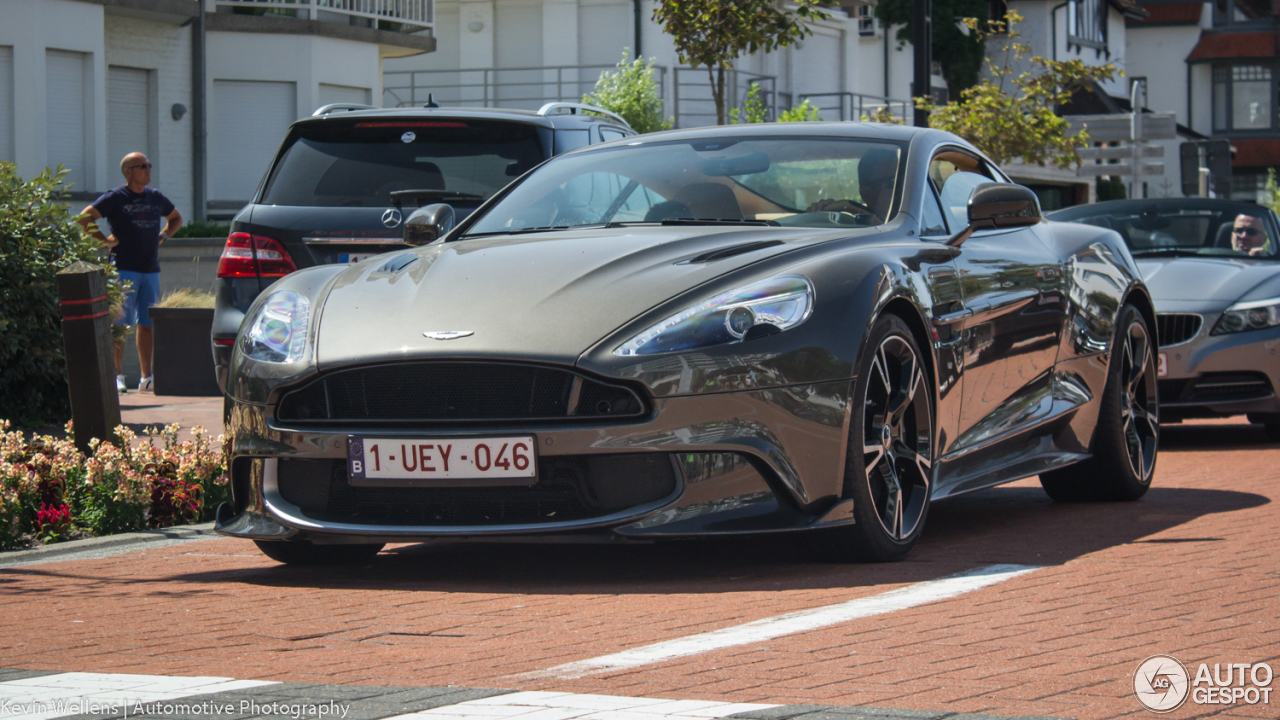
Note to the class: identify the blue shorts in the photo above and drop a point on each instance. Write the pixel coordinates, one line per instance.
(139, 297)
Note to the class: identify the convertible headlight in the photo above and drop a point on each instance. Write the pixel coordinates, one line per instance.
(1255, 315)
(277, 333)
(756, 310)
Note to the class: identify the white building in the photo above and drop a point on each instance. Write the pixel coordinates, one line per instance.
(83, 82)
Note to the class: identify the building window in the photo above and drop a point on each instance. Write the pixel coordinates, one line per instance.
(1087, 24)
(866, 21)
(1243, 98)
(997, 10)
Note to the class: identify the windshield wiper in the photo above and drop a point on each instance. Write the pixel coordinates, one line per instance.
(719, 221)
(399, 197)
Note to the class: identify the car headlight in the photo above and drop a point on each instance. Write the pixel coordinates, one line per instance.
(1254, 315)
(759, 309)
(277, 332)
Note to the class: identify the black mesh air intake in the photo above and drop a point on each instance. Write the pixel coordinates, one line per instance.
(1177, 328)
(451, 392)
(569, 488)
(1215, 387)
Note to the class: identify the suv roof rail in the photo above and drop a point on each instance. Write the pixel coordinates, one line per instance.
(341, 107)
(552, 108)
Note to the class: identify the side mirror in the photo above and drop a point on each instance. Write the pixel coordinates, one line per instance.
(428, 224)
(999, 205)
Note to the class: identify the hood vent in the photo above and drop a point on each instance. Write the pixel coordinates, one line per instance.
(732, 250)
(398, 263)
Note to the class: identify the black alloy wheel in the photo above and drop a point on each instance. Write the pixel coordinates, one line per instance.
(889, 465)
(1126, 440)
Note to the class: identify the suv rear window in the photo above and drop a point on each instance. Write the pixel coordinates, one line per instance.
(360, 164)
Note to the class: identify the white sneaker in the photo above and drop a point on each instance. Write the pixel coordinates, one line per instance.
(144, 385)
(120, 385)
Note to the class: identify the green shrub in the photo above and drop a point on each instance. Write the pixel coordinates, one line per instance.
(804, 112)
(201, 229)
(631, 92)
(38, 237)
(753, 108)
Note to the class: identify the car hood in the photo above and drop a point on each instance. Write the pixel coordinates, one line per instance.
(1217, 280)
(547, 296)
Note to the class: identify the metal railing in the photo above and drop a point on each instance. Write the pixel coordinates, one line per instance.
(401, 15)
(856, 106)
(526, 88)
(694, 106)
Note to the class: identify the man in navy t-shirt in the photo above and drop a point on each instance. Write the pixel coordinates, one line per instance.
(134, 212)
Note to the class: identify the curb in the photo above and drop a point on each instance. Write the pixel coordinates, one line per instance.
(74, 547)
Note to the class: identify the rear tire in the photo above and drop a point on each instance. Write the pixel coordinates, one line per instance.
(1127, 436)
(306, 553)
(889, 463)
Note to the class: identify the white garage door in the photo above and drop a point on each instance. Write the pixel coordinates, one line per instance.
(343, 94)
(249, 121)
(66, 88)
(6, 103)
(128, 118)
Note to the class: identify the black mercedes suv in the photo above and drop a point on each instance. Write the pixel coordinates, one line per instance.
(344, 180)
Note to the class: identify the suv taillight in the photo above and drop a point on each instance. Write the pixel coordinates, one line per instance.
(238, 258)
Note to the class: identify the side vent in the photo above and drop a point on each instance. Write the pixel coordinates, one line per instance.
(398, 263)
(730, 251)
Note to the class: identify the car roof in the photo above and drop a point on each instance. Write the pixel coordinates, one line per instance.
(871, 131)
(556, 120)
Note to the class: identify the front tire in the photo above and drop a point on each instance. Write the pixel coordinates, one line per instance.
(889, 463)
(1127, 436)
(302, 552)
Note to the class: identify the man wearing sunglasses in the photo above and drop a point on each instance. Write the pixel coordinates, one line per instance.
(134, 212)
(1248, 235)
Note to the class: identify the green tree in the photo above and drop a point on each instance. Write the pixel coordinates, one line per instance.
(804, 112)
(632, 92)
(956, 48)
(715, 33)
(1271, 193)
(1012, 115)
(753, 108)
(38, 237)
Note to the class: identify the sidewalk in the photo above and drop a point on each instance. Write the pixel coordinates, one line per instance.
(140, 410)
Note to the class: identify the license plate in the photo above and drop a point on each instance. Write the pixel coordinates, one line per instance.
(407, 462)
(354, 257)
(1162, 364)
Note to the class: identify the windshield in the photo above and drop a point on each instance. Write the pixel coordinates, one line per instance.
(799, 182)
(1233, 231)
(361, 164)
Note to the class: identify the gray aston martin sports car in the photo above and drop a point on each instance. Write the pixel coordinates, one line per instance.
(1213, 269)
(749, 329)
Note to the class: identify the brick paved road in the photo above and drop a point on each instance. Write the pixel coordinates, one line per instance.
(1192, 570)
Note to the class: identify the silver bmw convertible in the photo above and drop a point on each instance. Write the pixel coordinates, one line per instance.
(816, 328)
(1213, 269)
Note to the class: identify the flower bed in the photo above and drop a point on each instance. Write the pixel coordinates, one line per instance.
(50, 491)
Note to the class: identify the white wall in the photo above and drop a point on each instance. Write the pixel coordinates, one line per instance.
(31, 27)
(165, 50)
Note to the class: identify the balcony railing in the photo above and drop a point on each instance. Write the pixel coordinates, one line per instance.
(856, 106)
(520, 87)
(399, 15)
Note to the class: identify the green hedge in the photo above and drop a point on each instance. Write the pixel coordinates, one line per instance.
(38, 237)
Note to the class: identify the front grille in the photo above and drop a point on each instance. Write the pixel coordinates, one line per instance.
(569, 488)
(451, 392)
(1215, 387)
(1175, 328)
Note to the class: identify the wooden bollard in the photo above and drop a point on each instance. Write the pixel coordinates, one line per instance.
(86, 340)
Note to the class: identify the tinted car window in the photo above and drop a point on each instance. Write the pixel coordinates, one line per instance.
(933, 222)
(818, 182)
(360, 164)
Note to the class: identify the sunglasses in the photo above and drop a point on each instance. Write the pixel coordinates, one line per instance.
(1247, 231)
(144, 166)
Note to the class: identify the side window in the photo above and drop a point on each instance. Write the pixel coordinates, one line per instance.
(611, 134)
(933, 223)
(957, 174)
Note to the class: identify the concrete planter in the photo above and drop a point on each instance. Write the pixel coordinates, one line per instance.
(183, 358)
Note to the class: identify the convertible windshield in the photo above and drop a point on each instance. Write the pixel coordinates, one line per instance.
(800, 182)
(1225, 231)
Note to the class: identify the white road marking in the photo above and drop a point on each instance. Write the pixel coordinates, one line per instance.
(568, 706)
(803, 621)
(52, 696)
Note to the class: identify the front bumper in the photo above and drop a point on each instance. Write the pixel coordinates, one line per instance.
(739, 462)
(1221, 375)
